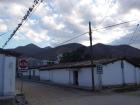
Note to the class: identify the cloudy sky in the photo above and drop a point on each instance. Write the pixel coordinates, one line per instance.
(55, 21)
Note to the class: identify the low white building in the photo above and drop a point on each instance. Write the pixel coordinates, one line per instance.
(31, 73)
(7, 73)
(111, 72)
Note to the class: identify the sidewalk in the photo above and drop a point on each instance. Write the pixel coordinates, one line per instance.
(7, 100)
(47, 82)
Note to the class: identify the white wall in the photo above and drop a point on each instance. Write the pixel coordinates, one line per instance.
(129, 73)
(84, 77)
(112, 74)
(138, 75)
(26, 73)
(45, 75)
(97, 79)
(60, 76)
(71, 78)
(32, 72)
(1, 74)
(9, 75)
(37, 73)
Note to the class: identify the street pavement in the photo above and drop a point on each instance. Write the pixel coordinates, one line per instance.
(43, 94)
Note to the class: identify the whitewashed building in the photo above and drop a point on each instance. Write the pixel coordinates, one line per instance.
(32, 73)
(7, 73)
(112, 72)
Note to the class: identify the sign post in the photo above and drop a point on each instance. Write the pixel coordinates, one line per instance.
(99, 72)
(99, 69)
(23, 64)
(22, 67)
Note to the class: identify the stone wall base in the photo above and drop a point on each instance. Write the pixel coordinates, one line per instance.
(7, 100)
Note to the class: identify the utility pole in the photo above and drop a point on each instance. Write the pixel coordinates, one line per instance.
(91, 51)
(123, 76)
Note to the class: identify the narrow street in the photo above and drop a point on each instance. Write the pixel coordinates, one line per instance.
(42, 94)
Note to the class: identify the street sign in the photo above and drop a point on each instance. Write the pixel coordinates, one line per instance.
(23, 64)
(99, 76)
(99, 69)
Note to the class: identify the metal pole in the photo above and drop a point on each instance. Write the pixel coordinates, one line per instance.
(91, 51)
(21, 88)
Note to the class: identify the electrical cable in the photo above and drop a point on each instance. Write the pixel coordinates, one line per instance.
(23, 20)
(95, 30)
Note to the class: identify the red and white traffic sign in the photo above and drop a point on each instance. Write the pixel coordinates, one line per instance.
(23, 64)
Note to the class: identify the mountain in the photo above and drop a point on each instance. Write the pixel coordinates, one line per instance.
(102, 51)
(28, 50)
(32, 50)
(99, 51)
(52, 53)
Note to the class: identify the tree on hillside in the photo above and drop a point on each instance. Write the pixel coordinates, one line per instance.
(74, 56)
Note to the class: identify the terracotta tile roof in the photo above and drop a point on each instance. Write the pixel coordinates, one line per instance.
(79, 64)
(8, 52)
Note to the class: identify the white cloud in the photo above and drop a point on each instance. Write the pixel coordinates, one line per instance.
(3, 26)
(16, 10)
(19, 37)
(63, 19)
(37, 37)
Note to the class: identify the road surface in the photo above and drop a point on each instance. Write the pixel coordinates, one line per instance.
(42, 94)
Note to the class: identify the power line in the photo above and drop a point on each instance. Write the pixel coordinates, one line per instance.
(129, 42)
(134, 41)
(26, 17)
(131, 39)
(106, 13)
(72, 38)
(2, 34)
(115, 25)
(31, 13)
(23, 20)
(5, 33)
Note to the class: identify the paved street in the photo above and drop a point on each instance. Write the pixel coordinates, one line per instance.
(41, 94)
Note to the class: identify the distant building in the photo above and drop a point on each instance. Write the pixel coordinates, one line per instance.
(59, 58)
(33, 62)
(107, 72)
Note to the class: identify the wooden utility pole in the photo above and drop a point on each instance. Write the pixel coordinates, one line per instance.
(91, 51)
(123, 76)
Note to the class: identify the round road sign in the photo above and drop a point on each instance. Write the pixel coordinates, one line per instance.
(23, 63)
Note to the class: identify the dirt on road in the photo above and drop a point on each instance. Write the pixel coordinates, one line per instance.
(42, 94)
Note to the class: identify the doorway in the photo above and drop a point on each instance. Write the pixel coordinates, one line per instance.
(75, 77)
